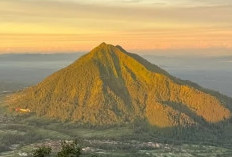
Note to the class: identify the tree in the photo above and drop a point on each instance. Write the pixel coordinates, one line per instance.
(42, 151)
(69, 149)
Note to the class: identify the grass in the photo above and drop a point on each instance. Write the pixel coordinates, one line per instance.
(106, 133)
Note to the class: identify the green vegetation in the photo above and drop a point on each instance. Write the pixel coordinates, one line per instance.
(125, 141)
(42, 151)
(69, 149)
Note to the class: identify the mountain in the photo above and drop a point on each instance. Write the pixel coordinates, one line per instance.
(109, 86)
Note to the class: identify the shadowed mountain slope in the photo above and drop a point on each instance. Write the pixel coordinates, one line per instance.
(110, 86)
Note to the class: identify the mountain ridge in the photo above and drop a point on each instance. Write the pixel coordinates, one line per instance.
(110, 86)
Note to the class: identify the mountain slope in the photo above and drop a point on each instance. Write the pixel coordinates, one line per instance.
(110, 86)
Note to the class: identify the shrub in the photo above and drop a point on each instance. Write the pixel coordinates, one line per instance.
(42, 151)
(69, 149)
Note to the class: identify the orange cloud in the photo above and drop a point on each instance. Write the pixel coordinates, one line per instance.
(61, 26)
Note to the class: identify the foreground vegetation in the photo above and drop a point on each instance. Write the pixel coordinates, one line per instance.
(20, 134)
(68, 149)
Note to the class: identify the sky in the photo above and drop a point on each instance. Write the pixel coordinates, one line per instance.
(51, 26)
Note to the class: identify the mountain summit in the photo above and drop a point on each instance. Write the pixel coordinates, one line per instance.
(110, 86)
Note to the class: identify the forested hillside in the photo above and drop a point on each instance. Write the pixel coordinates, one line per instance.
(110, 86)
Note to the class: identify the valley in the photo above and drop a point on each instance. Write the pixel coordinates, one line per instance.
(20, 134)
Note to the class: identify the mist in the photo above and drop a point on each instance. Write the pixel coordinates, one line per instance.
(18, 71)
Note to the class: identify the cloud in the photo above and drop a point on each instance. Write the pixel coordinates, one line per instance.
(179, 3)
(140, 23)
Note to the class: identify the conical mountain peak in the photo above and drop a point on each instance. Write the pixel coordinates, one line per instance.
(107, 48)
(103, 44)
(109, 86)
(103, 47)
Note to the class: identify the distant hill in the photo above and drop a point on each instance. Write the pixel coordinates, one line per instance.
(109, 86)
